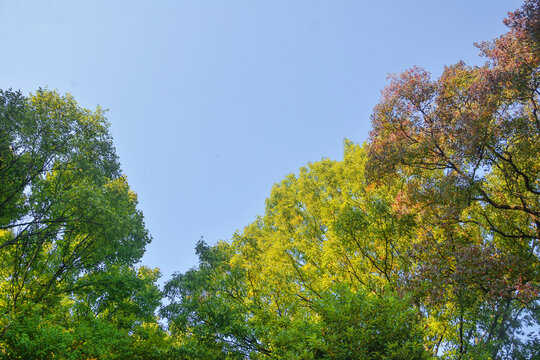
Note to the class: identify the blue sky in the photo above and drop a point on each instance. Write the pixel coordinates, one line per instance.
(212, 102)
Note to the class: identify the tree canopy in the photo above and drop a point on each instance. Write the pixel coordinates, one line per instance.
(421, 243)
(70, 235)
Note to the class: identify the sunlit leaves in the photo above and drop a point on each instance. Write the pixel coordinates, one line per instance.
(269, 292)
(70, 233)
(467, 145)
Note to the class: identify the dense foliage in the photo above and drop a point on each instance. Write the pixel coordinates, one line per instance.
(421, 243)
(70, 234)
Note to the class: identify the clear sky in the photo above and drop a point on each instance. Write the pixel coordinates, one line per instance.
(212, 102)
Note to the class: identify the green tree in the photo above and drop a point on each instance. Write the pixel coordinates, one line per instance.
(70, 234)
(362, 325)
(276, 290)
(207, 313)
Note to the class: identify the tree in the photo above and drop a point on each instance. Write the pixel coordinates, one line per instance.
(362, 325)
(70, 233)
(467, 145)
(207, 313)
(276, 290)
